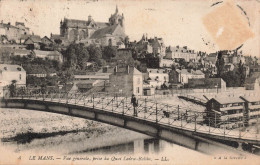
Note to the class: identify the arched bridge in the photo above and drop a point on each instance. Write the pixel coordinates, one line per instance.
(165, 121)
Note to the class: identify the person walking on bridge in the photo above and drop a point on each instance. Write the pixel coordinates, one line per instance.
(135, 104)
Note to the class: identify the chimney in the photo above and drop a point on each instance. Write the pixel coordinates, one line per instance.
(9, 23)
(89, 18)
(177, 46)
(185, 47)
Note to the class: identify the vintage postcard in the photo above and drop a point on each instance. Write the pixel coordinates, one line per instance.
(171, 82)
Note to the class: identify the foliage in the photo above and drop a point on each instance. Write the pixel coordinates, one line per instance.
(220, 63)
(42, 81)
(183, 63)
(109, 52)
(95, 54)
(235, 78)
(241, 73)
(76, 56)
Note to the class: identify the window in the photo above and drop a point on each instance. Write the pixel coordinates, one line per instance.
(138, 81)
(137, 90)
(20, 77)
(110, 42)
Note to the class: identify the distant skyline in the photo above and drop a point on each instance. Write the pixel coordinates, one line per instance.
(177, 22)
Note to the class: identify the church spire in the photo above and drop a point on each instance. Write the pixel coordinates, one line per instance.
(116, 9)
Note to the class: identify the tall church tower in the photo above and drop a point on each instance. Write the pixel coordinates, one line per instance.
(116, 19)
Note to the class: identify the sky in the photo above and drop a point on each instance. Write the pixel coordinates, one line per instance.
(178, 22)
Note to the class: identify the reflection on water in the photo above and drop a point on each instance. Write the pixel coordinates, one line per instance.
(137, 146)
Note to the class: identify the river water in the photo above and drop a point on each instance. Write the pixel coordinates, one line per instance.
(25, 130)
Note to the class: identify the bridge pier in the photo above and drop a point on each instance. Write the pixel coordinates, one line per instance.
(240, 146)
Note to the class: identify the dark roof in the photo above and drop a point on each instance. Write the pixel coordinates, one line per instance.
(212, 55)
(7, 25)
(34, 38)
(84, 85)
(250, 80)
(228, 100)
(76, 23)
(102, 32)
(3, 37)
(102, 24)
(19, 23)
(47, 39)
(24, 36)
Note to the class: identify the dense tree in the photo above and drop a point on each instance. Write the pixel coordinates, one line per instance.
(231, 78)
(95, 54)
(220, 64)
(109, 52)
(76, 56)
(241, 73)
(12, 88)
(183, 63)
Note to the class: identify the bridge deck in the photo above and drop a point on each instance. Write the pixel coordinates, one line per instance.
(148, 111)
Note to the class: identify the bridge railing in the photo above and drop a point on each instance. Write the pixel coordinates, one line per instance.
(166, 114)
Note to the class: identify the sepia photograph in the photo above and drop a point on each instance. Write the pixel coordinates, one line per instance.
(147, 82)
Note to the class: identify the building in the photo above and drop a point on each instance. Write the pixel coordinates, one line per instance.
(104, 33)
(112, 35)
(8, 73)
(93, 76)
(153, 46)
(180, 53)
(225, 112)
(157, 77)
(183, 75)
(252, 109)
(253, 69)
(251, 83)
(87, 85)
(229, 67)
(211, 60)
(33, 42)
(208, 83)
(46, 41)
(165, 63)
(21, 52)
(51, 55)
(126, 80)
(3, 39)
(13, 32)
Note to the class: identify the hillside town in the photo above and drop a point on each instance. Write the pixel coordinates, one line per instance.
(90, 56)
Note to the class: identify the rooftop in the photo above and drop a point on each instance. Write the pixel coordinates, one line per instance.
(228, 100)
(251, 98)
(104, 31)
(11, 68)
(161, 71)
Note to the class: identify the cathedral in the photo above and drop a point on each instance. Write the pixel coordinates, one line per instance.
(90, 31)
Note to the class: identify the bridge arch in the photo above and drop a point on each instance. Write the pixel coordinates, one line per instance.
(186, 139)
